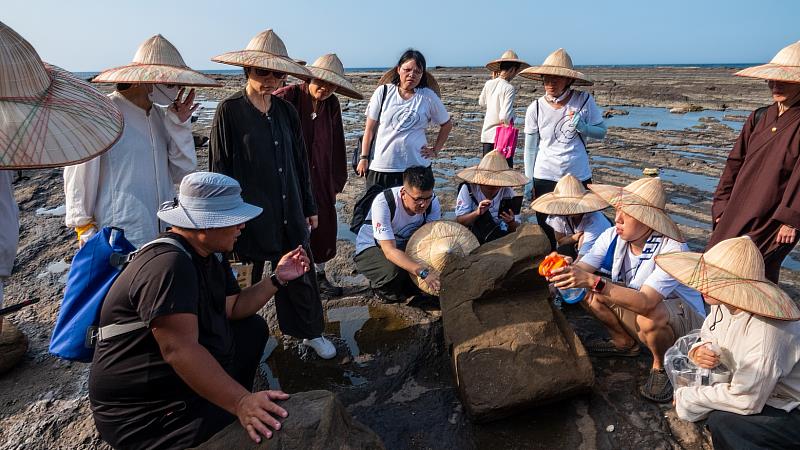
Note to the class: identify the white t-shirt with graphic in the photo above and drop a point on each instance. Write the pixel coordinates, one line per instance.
(632, 265)
(401, 133)
(465, 205)
(561, 150)
(383, 227)
(592, 224)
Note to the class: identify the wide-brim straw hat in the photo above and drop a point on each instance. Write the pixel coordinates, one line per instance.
(208, 200)
(559, 64)
(493, 170)
(785, 66)
(156, 61)
(731, 272)
(330, 69)
(436, 243)
(433, 85)
(507, 56)
(50, 118)
(569, 198)
(645, 201)
(265, 51)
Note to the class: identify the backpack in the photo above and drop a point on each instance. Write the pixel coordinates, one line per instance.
(364, 205)
(94, 269)
(484, 227)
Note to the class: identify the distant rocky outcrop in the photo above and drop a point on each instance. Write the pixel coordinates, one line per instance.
(614, 112)
(509, 347)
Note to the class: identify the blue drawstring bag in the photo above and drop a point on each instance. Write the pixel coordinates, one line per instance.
(94, 268)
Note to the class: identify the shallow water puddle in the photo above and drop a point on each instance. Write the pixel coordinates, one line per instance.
(689, 222)
(205, 112)
(60, 268)
(57, 211)
(369, 332)
(667, 120)
(703, 183)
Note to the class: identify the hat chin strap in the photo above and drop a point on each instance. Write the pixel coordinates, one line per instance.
(559, 98)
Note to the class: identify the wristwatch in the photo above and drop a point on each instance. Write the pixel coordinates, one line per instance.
(423, 273)
(364, 156)
(599, 285)
(276, 282)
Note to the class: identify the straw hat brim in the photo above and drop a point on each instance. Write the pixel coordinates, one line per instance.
(436, 243)
(770, 71)
(494, 66)
(551, 203)
(343, 85)
(640, 209)
(498, 178)
(537, 72)
(68, 124)
(433, 85)
(264, 60)
(755, 296)
(155, 74)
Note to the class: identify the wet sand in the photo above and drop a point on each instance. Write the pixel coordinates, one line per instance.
(392, 372)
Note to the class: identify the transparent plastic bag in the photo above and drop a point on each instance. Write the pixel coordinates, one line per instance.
(683, 372)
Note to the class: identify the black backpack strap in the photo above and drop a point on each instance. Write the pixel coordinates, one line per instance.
(389, 196)
(759, 113)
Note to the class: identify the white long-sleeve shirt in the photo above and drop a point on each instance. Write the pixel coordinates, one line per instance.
(9, 224)
(124, 186)
(497, 97)
(763, 356)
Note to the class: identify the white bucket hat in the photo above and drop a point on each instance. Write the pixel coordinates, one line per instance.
(208, 200)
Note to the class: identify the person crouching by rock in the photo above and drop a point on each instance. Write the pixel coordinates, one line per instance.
(184, 368)
(395, 215)
(640, 301)
(574, 214)
(480, 196)
(754, 325)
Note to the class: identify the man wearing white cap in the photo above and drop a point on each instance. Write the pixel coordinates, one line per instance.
(185, 339)
(122, 187)
(641, 302)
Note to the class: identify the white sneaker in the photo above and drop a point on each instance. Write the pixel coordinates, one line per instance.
(322, 346)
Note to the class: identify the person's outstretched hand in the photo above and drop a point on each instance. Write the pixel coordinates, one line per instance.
(293, 265)
(256, 410)
(184, 108)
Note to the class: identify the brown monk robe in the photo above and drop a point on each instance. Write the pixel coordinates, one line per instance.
(324, 137)
(759, 189)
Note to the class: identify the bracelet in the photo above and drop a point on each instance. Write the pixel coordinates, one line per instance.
(364, 156)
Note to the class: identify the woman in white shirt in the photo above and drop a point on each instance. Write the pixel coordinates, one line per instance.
(753, 325)
(479, 198)
(398, 114)
(556, 128)
(574, 214)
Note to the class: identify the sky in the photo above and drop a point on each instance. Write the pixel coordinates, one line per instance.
(80, 35)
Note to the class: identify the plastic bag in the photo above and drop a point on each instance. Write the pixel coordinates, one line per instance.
(683, 372)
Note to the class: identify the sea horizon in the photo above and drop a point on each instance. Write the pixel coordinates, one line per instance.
(88, 74)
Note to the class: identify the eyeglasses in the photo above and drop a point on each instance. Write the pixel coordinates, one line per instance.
(419, 200)
(259, 72)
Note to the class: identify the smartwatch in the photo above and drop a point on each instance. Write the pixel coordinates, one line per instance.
(276, 282)
(423, 273)
(599, 285)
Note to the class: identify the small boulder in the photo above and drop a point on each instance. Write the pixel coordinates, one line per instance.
(13, 346)
(649, 124)
(614, 112)
(317, 421)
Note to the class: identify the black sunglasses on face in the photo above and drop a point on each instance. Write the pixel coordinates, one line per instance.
(266, 72)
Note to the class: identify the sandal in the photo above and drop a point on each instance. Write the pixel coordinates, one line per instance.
(606, 348)
(657, 388)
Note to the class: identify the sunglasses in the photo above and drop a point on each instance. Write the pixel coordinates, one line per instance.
(266, 72)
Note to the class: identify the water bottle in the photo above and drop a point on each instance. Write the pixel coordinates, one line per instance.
(572, 295)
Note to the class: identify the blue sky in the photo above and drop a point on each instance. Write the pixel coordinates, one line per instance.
(86, 36)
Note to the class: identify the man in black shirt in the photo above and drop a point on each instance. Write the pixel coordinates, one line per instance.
(187, 370)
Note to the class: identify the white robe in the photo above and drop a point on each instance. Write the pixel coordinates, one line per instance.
(9, 224)
(763, 355)
(124, 186)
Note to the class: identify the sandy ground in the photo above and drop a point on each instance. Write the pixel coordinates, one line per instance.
(391, 371)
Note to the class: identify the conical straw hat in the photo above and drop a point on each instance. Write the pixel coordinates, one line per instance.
(50, 118)
(330, 69)
(433, 85)
(493, 170)
(266, 51)
(785, 66)
(568, 198)
(509, 56)
(436, 243)
(645, 201)
(559, 64)
(731, 272)
(156, 61)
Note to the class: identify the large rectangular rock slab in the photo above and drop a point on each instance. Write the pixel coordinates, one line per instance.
(510, 348)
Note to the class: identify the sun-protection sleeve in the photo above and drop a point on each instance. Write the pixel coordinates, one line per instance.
(530, 152)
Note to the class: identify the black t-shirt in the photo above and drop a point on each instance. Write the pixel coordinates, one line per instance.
(129, 378)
